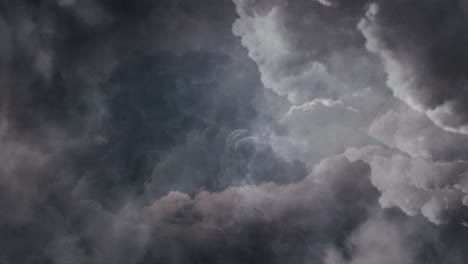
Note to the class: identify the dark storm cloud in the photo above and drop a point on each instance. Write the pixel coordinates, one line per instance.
(56, 54)
(306, 51)
(139, 132)
(89, 104)
(423, 46)
(59, 66)
(268, 223)
(331, 216)
(60, 94)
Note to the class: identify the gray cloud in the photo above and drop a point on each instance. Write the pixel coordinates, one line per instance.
(325, 128)
(415, 134)
(142, 132)
(417, 186)
(422, 49)
(425, 172)
(282, 210)
(299, 65)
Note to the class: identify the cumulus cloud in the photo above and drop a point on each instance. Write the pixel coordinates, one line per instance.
(321, 206)
(423, 51)
(222, 226)
(333, 208)
(424, 172)
(414, 133)
(414, 184)
(384, 241)
(298, 56)
(142, 132)
(283, 69)
(325, 127)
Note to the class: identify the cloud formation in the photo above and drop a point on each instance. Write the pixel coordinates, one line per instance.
(423, 51)
(325, 131)
(431, 151)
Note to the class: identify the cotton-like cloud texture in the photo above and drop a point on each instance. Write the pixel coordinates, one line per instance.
(233, 131)
(423, 52)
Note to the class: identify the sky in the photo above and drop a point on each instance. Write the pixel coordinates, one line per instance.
(234, 131)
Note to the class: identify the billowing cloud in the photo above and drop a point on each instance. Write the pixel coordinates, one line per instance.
(422, 46)
(423, 174)
(414, 133)
(268, 216)
(236, 131)
(325, 127)
(298, 56)
(417, 186)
